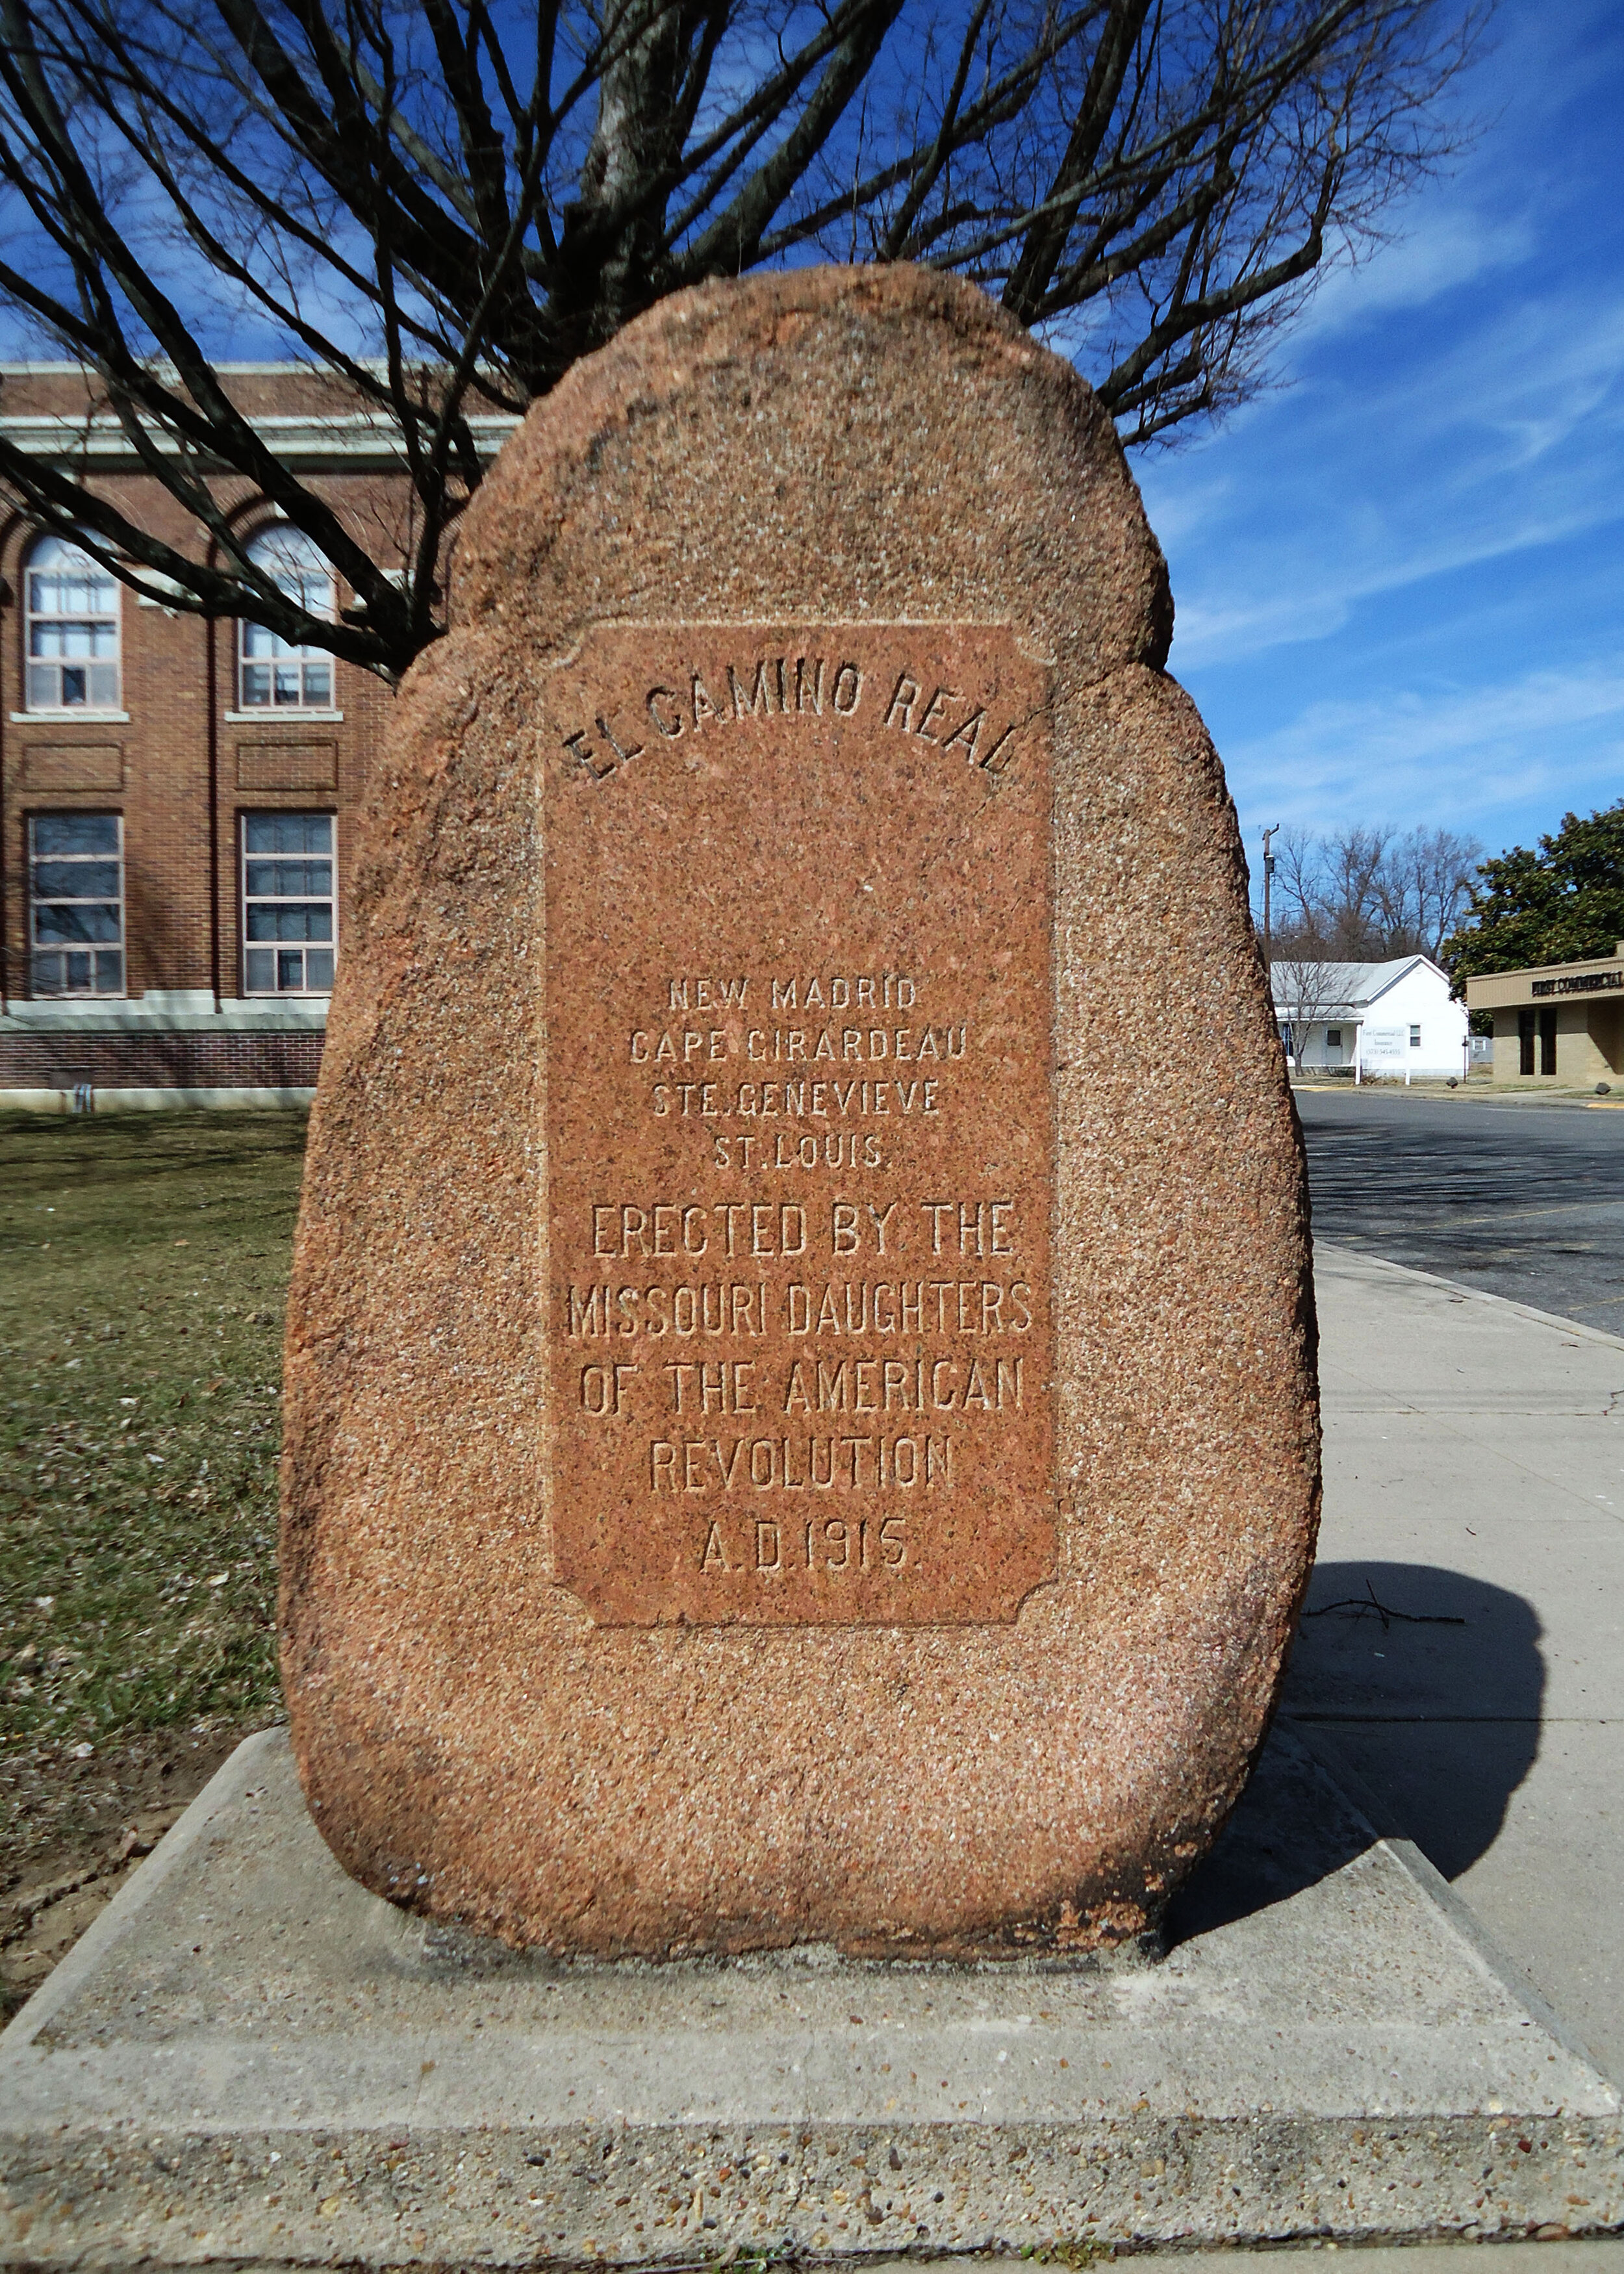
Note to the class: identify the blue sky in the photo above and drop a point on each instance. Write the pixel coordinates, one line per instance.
(1399, 578)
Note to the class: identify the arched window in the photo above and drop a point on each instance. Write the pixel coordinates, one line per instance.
(272, 674)
(72, 630)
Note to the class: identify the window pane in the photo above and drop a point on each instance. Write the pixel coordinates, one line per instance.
(293, 560)
(104, 685)
(100, 974)
(43, 687)
(62, 974)
(290, 920)
(318, 683)
(73, 684)
(319, 968)
(56, 922)
(290, 967)
(288, 833)
(71, 595)
(256, 685)
(291, 879)
(76, 880)
(75, 832)
(261, 963)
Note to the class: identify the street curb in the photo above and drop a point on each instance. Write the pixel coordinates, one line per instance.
(1334, 1249)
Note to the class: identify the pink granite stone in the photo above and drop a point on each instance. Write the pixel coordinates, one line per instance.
(802, 1419)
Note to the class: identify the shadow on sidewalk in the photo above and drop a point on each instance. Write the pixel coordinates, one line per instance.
(1429, 1683)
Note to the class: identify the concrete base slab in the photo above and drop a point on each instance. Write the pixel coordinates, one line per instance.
(248, 2059)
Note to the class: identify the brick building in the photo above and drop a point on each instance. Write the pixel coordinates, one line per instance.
(177, 797)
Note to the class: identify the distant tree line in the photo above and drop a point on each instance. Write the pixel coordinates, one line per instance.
(1363, 895)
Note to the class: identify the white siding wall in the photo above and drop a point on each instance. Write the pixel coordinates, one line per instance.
(1421, 998)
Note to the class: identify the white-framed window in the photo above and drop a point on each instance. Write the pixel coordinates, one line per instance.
(272, 674)
(1415, 1037)
(76, 903)
(1333, 1037)
(290, 914)
(72, 618)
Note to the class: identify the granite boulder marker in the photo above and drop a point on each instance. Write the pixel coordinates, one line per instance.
(801, 1399)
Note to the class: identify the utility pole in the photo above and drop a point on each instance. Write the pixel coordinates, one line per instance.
(1268, 878)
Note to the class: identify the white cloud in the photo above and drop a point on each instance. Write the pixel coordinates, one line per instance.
(1314, 591)
(1508, 438)
(1444, 246)
(1457, 755)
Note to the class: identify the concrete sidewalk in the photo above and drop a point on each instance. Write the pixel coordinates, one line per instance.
(1474, 1455)
(1475, 1472)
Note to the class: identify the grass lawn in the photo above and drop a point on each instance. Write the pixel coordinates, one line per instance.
(143, 1269)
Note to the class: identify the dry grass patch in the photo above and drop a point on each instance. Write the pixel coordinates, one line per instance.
(143, 1269)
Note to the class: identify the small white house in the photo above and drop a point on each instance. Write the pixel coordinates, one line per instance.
(1392, 1020)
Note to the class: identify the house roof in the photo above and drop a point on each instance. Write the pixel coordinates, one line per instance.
(1341, 989)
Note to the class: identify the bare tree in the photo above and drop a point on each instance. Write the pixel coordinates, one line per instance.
(1365, 894)
(1357, 862)
(1306, 993)
(442, 204)
(1431, 874)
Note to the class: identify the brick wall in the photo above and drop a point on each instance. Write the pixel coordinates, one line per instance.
(180, 769)
(60, 1061)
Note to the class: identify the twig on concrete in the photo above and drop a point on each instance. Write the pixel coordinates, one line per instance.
(1359, 1604)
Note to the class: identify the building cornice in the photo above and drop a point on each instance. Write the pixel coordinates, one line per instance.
(347, 441)
(1547, 983)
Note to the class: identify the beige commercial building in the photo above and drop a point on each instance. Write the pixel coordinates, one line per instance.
(1562, 1022)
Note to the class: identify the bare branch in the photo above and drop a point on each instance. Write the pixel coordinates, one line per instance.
(440, 204)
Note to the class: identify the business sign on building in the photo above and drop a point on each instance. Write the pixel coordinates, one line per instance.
(1578, 983)
(1382, 1046)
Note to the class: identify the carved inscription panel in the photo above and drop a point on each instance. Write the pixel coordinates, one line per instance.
(800, 1124)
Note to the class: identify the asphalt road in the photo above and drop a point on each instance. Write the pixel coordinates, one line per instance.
(1524, 1200)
